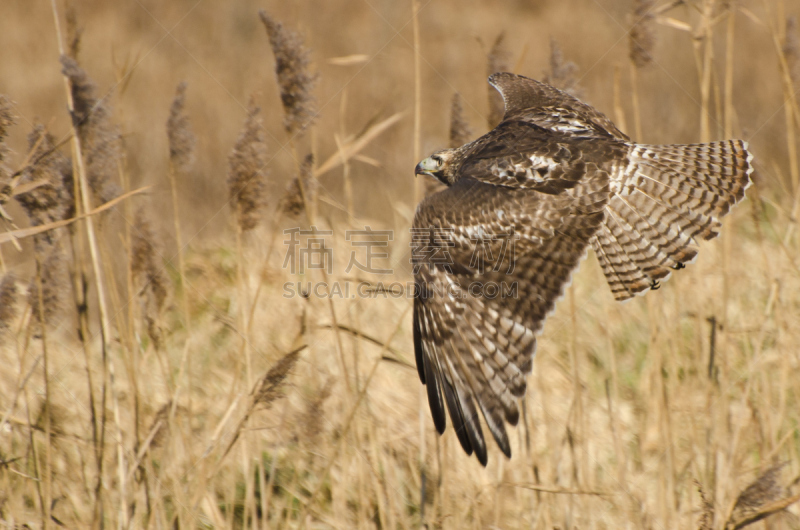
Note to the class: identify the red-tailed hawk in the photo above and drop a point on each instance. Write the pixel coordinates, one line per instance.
(495, 250)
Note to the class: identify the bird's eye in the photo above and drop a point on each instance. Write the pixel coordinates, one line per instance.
(438, 160)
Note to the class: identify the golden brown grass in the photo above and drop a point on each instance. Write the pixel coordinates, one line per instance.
(134, 408)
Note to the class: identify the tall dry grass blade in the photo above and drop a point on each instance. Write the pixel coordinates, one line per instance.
(397, 356)
(349, 60)
(22, 233)
(637, 112)
(80, 288)
(420, 188)
(97, 140)
(182, 143)
(619, 112)
(707, 33)
(295, 79)
(247, 187)
(416, 145)
(266, 391)
(641, 43)
(346, 179)
(791, 50)
(339, 138)
(322, 477)
(247, 171)
(791, 62)
(727, 132)
(155, 437)
(498, 60)
(557, 491)
(353, 146)
(38, 309)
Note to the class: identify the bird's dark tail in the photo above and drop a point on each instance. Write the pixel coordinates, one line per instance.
(665, 198)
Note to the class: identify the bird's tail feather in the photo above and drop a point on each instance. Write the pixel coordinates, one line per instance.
(666, 197)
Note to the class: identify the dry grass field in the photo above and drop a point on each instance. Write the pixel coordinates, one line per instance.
(160, 367)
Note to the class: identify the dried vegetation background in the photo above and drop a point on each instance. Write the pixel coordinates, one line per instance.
(154, 375)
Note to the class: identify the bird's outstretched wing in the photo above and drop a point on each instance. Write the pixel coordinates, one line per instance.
(545, 139)
(490, 263)
(550, 108)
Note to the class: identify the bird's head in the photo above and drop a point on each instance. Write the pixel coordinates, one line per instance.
(440, 165)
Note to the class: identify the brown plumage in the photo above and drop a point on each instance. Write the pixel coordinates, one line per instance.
(523, 205)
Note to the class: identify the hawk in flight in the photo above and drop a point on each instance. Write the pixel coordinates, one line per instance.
(554, 178)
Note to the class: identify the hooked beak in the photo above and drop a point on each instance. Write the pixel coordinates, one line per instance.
(426, 167)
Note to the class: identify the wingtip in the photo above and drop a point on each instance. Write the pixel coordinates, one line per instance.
(434, 389)
(483, 458)
(749, 162)
(497, 76)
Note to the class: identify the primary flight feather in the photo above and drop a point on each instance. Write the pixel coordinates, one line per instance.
(494, 251)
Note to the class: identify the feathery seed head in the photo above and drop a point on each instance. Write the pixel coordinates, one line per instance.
(293, 204)
(642, 37)
(498, 61)
(54, 284)
(315, 410)
(74, 32)
(8, 302)
(6, 121)
(460, 132)
(161, 421)
(294, 78)
(179, 131)
(247, 171)
(100, 138)
(82, 90)
(146, 263)
(707, 510)
(791, 50)
(762, 491)
(57, 415)
(562, 74)
(51, 201)
(267, 389)
(6, 116)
